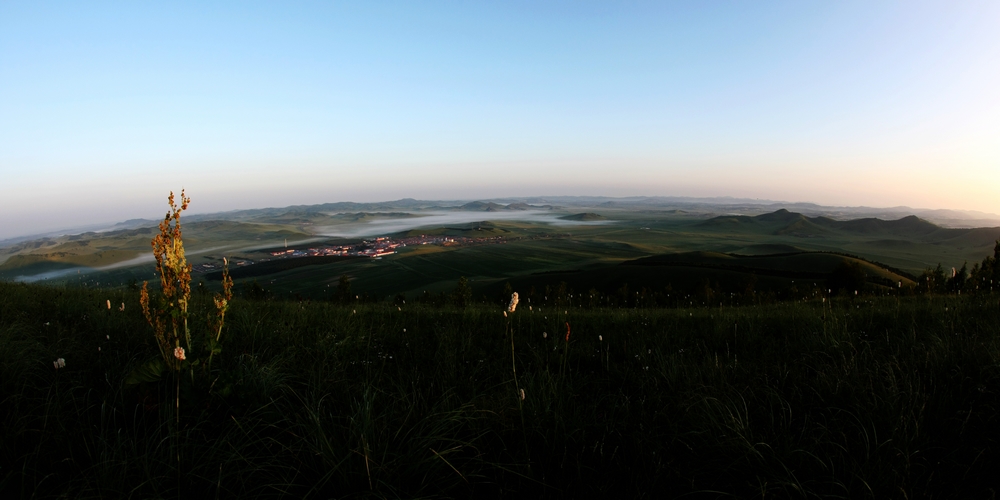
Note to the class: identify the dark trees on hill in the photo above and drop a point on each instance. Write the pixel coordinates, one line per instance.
(959, 279)
(932, 280)
(983, 276)
(986, 276)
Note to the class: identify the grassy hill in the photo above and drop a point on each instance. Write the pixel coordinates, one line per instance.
(586, 216)
(92, 250)
(529, 252)
(706, 274)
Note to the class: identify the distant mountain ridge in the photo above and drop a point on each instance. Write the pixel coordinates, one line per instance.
(690, 206)
(796, 224)
(489, 206)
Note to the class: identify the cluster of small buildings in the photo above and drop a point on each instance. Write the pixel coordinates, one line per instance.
(383, 246)
(374, 248)
(369, 248)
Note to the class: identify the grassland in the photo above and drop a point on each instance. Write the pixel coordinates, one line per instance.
(585, 251)
(873, 397)
(654, 354)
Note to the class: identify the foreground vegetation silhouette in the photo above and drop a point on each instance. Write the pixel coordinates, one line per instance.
(854, 396)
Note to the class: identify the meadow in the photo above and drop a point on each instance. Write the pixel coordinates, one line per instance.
(849, 397)
(592, 249)
(652, 355)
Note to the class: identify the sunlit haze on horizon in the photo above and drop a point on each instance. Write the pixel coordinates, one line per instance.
(105, 107)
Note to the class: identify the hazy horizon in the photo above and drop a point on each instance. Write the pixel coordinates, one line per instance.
(432, 218)
(105, 107)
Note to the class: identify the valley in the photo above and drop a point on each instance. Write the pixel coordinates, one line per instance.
(411, 248)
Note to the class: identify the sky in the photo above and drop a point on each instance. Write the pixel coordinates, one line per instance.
(106, 107)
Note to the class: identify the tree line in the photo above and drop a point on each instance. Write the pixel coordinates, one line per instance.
(984, 276)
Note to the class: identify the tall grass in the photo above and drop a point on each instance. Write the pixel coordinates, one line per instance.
(859, 398)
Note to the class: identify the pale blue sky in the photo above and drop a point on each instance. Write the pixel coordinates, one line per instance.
(104, 107)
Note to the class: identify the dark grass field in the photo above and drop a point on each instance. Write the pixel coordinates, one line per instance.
(865, 398)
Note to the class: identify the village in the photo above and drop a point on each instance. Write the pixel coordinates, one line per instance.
(374, 248)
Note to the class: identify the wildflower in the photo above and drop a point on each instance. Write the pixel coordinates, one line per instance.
(175, 281)
(59, 363)
(513, 302)
(179, 353)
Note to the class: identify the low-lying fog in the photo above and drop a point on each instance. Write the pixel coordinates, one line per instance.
(384, 226)
(140, 259)
(376, 227)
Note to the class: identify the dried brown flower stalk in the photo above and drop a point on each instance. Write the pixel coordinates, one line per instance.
(175, 281)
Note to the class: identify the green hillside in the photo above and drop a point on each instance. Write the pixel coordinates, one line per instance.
(530, 251)
(586, 216)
